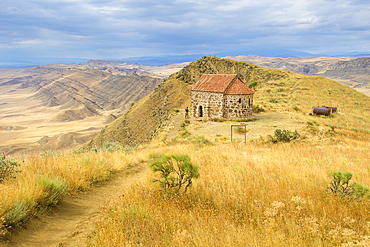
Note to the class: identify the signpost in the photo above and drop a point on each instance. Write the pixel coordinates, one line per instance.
(245, 132)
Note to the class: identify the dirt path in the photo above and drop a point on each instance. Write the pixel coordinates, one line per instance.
(175, 123)
(72, 220)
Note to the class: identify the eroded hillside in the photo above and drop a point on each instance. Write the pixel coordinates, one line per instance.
(63, 102)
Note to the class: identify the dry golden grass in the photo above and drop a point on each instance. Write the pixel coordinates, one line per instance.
(297, 94)
(29, 193)
(248, 195)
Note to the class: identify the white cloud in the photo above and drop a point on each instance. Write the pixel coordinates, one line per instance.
(114, 28)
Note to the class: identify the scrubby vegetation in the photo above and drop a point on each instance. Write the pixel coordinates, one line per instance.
(247, 195)
(341, 186)
(8, 167)
(176, 172)
(44, 179)
(284, 136)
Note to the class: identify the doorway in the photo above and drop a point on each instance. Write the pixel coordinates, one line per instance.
(200, 111)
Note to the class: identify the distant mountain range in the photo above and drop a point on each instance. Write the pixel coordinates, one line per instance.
(19, 62)
(351, 71)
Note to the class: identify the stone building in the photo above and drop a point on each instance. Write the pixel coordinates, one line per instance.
(222, 96)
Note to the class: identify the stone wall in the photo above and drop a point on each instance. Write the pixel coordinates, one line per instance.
(206, 105)
(238, 106)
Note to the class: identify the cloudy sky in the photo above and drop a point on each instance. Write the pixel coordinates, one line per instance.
(41, 31)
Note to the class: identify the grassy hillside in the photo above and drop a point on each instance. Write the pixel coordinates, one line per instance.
(275, 89)
(150, 114)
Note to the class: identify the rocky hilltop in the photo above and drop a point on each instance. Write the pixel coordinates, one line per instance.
(149, 115)
(278, 90)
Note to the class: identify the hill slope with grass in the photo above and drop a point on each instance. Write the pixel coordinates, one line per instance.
(277, 90)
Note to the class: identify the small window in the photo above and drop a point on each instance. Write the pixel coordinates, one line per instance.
(240, 101)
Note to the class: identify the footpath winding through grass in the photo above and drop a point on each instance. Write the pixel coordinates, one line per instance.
(254, 194)
(44, 180)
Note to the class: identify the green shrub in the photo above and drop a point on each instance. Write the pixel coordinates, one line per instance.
(200, 140)
(111, 147)
(176, 172)
(296, 108)
(257, 109)
(354, 129)
(185, 133)
(253, 84)
(129, 149)
(17, 213)
(8, 168)
(48, 153)
(340, 186)
(53, 190)
(284, 136)
(216, 119)
(187, 122)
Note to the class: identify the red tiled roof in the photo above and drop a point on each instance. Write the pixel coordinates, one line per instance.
(219, 83)
(238, 87)
(213, 83)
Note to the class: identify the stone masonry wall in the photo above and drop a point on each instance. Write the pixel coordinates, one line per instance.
(238, 106)
(206, 105)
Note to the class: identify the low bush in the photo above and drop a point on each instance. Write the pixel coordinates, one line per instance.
(296, 108)
(176, 172)
(200, 140)
(111, 146)
(8, 168)
(253, 84)
(53, 190)
(19, 212)
(257, 109)
(284, 136)
(216, 120)
(185, 133)
(340, 186)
